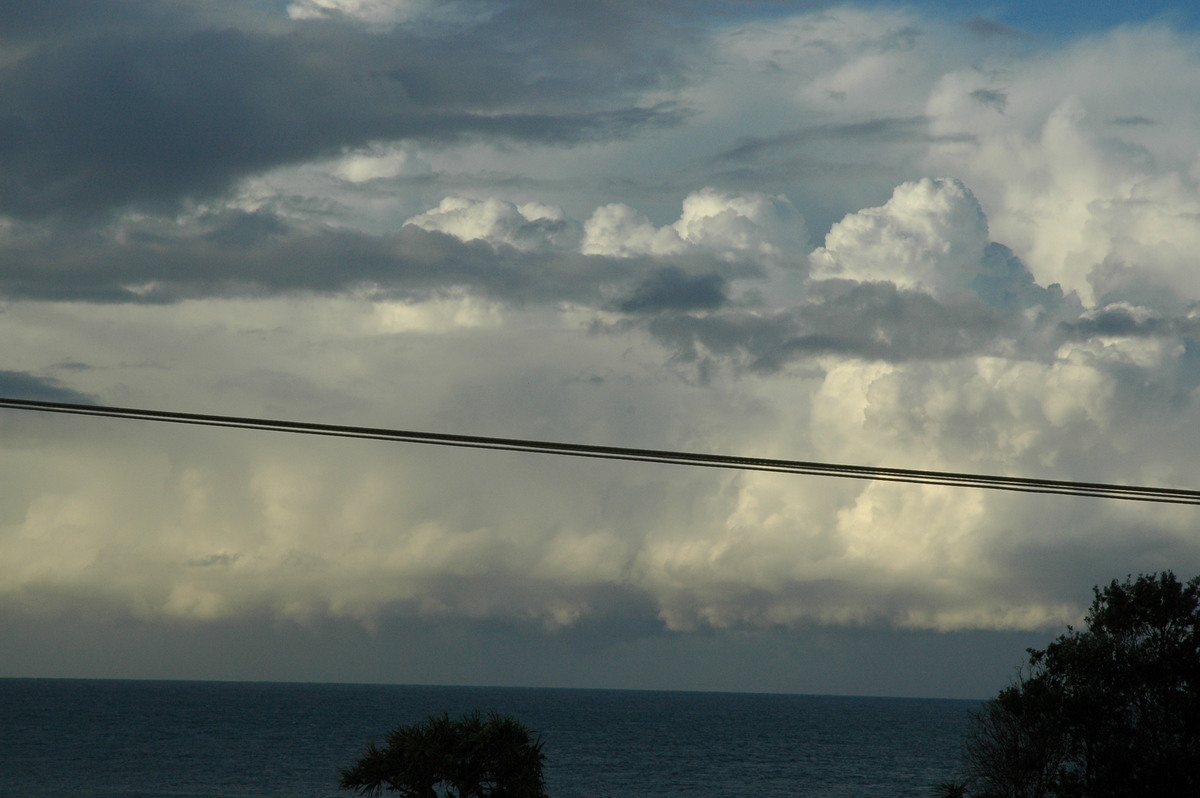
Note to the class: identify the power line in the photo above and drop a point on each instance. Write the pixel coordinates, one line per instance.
(915, 476)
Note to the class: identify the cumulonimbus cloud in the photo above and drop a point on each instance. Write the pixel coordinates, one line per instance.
(1001, 283)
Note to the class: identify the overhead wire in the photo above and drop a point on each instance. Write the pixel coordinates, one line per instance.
(802, 467)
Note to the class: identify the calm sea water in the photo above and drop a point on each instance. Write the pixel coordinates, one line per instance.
(141, 739)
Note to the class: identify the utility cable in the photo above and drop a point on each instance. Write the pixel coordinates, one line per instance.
(914, 476)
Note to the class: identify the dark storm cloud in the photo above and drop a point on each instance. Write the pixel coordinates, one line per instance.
(241, 230)
(154, 114)
(257, 254)
(20, 385)
(25, 20)
(873, 321)
(1123, 321)
(671, 288)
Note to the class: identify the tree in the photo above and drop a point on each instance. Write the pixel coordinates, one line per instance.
(468, 757)
(1112, 710)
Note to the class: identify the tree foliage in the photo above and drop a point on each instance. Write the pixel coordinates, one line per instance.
(1112, 710)
(441, 757)
(950, 789)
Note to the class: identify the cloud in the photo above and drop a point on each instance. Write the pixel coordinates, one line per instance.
(522, 253)
(258, 254)
(1122, 320)
(920, 335)
(913, 280)
(988, 28)
(1103, 209)
(870, 321)
(877, 130)
(19, 385)
(991, 97)
(755, 225)
(375, 12)
(157, 113)
(621, 231)
(930, 236)
(849, 235)
(528, 227)
(672, 289)
(1131, 121)
(733, 226)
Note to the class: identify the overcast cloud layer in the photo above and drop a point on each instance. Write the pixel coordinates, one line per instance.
(861, 234)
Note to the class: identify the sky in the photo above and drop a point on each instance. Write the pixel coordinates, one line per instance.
(942, 236)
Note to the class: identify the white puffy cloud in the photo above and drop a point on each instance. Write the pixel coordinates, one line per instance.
(1092, 182)
(765, 228)
(529, 226)
(621, 231)
(755, 226)
(380, 162)
(373, 12)
(930, 236)
(717, 235)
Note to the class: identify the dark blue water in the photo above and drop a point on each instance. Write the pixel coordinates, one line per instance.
(118, 739)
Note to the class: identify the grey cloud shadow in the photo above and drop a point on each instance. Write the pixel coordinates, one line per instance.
(992, 98)
(1133, 121)
(986, 28)
(1005, 283)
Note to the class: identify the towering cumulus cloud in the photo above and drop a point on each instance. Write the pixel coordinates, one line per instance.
(862, 235)
(930, 236)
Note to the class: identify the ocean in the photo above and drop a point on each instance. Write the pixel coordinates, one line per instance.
(160, 739)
